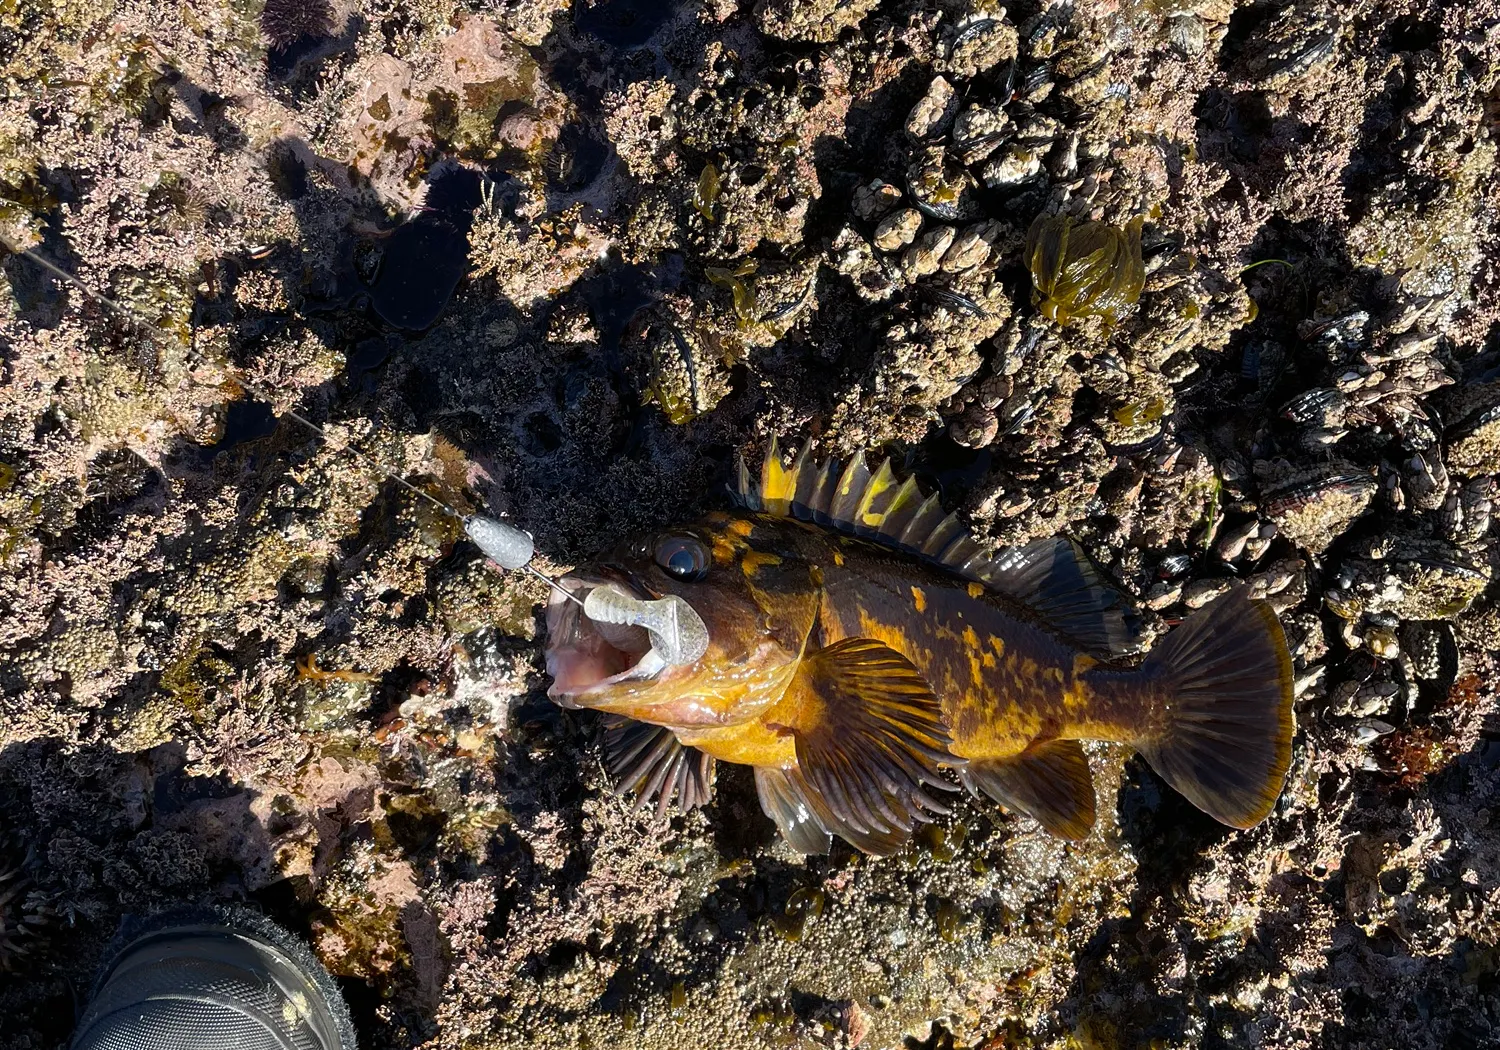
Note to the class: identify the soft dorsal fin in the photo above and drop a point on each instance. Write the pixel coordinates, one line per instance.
(1052, 577)
(1055, 579)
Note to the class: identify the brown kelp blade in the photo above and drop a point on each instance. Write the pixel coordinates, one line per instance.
(1227, 743)
(870, 741)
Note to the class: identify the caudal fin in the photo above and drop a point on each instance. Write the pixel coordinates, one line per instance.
(1226, 740)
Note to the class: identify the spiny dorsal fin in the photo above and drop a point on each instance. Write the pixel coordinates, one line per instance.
(1052, 577)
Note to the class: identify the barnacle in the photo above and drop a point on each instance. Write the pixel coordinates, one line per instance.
(1085, 269)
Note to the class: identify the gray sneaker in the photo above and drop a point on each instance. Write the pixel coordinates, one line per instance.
(213, 980)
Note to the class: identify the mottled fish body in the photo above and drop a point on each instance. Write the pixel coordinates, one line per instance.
(861, 644)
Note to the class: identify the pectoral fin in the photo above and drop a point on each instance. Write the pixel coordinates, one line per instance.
(1049, 781)
(653, 763)
(870, 739)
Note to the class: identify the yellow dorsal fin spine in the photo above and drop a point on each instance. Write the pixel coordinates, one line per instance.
(870, 514)
(777, 484)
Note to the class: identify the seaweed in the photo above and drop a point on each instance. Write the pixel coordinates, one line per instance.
(1085, 269)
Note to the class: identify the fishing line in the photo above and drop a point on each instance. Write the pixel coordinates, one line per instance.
(507, 545)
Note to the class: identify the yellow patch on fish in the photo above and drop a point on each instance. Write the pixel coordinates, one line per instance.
(726, 549)
(776, 485)
(893, 636)
(976, 590)
(760, 743)
(754, 561)
(919, 599)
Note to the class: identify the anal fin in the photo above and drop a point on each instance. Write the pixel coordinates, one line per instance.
(1049, 781)
(784, 803)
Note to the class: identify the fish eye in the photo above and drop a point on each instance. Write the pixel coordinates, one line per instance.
(684, 557)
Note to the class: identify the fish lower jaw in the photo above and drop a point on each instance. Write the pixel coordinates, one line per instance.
(570, 671)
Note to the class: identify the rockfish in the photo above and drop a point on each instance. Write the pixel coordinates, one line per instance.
(861, 644)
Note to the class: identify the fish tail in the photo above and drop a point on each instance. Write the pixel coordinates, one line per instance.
(1223, 737)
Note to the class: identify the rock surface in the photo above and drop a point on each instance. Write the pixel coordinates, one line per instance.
(562, 262)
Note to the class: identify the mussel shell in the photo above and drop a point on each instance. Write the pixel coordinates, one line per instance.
(1315, 406)
(952, 300)
(1303, 492)
(955, 179)
(1480, 417)
(1174, 565)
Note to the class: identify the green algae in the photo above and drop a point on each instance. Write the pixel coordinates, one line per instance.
(738, 279)
(802, 908)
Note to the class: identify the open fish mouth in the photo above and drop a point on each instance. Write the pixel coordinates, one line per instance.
(586, 657)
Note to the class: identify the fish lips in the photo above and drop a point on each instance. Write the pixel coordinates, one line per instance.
(586, 658)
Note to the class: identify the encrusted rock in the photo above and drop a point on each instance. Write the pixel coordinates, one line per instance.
(898, 229)
(933, 112)
(875, 199)
(924, 257)
(968, 250)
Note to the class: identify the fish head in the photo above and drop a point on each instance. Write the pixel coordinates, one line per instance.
(758, 606)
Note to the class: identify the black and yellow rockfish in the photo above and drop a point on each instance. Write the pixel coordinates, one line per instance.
(860, 642)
